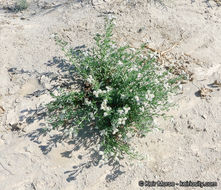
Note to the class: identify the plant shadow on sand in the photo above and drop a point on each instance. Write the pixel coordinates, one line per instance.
(208, 2)
(86, 137)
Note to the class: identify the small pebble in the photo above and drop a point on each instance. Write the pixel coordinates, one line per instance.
(203, 116)
(181, 116)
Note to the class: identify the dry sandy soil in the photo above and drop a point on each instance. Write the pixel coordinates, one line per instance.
(31, 65)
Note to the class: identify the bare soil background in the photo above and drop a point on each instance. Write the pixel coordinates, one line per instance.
(31, 65)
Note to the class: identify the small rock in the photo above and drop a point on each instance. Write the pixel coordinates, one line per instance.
(181, 116)
(203, 116)
(2, 110)
(140, 30)
(190, 125)
(176, 129)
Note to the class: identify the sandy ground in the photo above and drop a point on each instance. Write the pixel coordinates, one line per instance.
(31, 65)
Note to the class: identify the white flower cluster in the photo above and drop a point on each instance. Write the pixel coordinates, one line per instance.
(123, 96)
(139, 76)
(115, 130)
(145, 104)
(91, 114)
(166, 85)
(87, 102)
(149, 96)
(134, 68)
(103, 132)
(142, 109)
(137, 98)
(104, 106)
(120, 63)
(156, 81)
(125, 110)
(90, 79)
(109, 88)
(154, 55)
(122, 121)
(96, 93)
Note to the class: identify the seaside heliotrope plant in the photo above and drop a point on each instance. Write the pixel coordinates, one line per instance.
(123, 91)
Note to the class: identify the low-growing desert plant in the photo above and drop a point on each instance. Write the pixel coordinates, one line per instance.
(123, 91)
(21, 5)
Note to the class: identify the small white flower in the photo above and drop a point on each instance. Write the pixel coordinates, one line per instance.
(139, 76)
(110, 17)
(124, 120)
(137, 98)
(133, 49)
(120, 112)
(103, 132)
(104, 105)
(166, 85)
(105, 114)
(156, 81)
(123, 96)
(120, 63)
(149, 96)
(142, 109)
(153, 55)
(134, 68)
(90, 79)
(101, 153)
(87, 102)
(99, 91)
(121, 121)
(126, 109)
(108, 108)
(113, 46)
(108, 89)
(91, 115)
(111, 154)
(115, 131)
(159, 72)
(96, 93)
(145, 104)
